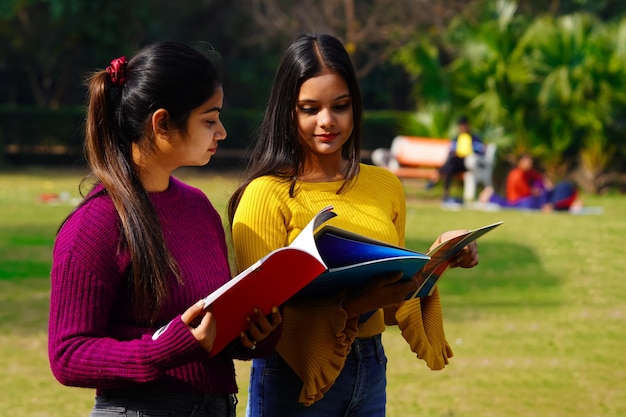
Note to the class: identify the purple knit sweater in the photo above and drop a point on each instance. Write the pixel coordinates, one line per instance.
(94, 339)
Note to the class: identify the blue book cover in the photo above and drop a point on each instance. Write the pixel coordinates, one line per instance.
(352, 260)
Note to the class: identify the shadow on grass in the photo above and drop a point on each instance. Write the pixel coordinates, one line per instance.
(507, 276)
(25, 262)
(26, 251)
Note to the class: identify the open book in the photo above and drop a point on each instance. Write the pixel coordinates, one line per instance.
(339, 259)
(353, 259)
(316, 264)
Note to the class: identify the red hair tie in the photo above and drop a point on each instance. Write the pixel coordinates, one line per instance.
(117, 71)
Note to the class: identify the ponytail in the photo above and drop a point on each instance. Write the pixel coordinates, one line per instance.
(109, 154)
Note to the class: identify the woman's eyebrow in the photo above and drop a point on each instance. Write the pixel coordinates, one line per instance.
(212, 109)
(310, 100)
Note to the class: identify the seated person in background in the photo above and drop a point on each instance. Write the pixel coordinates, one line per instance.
(463, 145)
(526, 188)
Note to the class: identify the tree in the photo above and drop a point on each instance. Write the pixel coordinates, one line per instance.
(579, 64)
(555, 85)
(371, 30)
(603, 9)
(475, 68)
(55, 42)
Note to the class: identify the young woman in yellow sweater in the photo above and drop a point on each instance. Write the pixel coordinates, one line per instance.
(328, 361)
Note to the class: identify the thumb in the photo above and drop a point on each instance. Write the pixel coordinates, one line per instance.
(192, 312)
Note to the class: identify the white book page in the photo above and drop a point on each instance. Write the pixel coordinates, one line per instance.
(305, 241)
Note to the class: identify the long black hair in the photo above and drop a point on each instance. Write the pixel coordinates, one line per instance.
(278, 150)
(164, 75)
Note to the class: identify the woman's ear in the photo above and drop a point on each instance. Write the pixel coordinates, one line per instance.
(161, 122)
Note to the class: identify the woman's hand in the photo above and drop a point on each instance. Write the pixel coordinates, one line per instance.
(201, 324)
(380, 292)
(260, 326)
(467, 257)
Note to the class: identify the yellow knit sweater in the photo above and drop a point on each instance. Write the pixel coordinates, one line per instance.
(317, 335)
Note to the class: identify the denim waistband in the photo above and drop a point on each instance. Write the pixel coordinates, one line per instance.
(368, 346)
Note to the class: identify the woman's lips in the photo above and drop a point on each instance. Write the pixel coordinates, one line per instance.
(328, 136)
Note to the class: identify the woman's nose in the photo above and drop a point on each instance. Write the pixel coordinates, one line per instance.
(325, 118)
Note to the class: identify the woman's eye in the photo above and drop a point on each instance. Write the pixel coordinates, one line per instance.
(342, 107)
(308, 110)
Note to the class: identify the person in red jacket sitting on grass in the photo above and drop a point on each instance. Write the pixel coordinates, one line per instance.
(526, 188)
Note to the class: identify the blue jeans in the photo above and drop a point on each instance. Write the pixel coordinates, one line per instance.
(149, 403)
(359, 391)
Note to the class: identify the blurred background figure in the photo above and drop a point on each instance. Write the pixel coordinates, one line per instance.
(464, 148)
(527, 188)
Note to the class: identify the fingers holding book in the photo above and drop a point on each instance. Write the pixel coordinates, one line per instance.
(260, 327)
(467, 257)
(201, 324)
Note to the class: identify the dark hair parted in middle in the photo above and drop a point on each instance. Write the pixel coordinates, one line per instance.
(278, 150)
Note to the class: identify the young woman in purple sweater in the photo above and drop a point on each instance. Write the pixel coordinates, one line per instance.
(142, 247)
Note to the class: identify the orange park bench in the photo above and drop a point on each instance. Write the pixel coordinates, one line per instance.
(421, 157)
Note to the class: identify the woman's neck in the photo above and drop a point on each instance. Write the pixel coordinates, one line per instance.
(152, 175)
(324, 170)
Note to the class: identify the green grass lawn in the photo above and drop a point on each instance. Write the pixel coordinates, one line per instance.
(537, 328)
